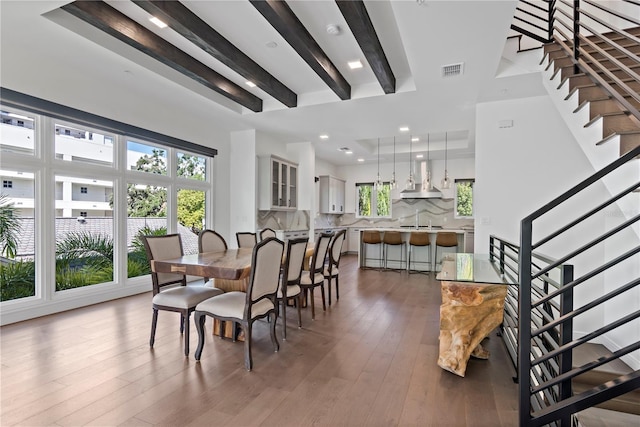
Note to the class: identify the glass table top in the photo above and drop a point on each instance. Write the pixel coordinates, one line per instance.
(468, 267)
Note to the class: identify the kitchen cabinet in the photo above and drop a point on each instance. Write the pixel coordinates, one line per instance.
(354, 240)
(331, 195)
(277, 184)
(285, 235)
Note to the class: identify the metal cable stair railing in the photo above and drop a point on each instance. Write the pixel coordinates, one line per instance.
(539, 312)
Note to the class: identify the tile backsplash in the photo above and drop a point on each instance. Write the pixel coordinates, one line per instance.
(297, 220)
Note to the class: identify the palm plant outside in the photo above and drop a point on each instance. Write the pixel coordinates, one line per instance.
(9, 227)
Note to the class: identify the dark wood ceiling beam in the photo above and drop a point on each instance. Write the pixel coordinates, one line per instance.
(282, 18)
(189, 25)
(118, 25)
(357, 17)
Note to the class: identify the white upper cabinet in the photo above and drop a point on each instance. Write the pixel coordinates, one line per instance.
(331, 195)
(277, 184)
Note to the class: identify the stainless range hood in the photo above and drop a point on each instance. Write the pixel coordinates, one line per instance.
(420, 192)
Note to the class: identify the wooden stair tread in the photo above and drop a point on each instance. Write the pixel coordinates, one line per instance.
(587, 352)
(598, 417)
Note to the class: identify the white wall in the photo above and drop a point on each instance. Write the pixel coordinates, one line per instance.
(242, 204)
(518, 170)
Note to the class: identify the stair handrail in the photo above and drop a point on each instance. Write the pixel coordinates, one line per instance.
(561, 412)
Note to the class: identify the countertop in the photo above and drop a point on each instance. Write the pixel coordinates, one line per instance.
(423, 229)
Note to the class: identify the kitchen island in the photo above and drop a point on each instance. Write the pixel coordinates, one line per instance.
(424, 256)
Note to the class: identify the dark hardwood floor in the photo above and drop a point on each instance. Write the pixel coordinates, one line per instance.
(369, 360)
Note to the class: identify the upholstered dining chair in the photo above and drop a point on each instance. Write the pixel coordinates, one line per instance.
(331, 269)
(246, 239)
(290, 283)
(314, 277)
(210, 241)
(179, 297)
(267, 232)
(257, 302)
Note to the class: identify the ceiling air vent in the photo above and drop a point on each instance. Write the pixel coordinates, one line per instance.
(452, 70)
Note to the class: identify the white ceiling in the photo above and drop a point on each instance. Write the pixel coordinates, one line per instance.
(419, 37)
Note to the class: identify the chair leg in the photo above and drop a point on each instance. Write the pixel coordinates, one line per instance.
(324, 304)
(199, 319)
(313, 306)
(181, 323)
(154, 322)
(329, 288)
(274, 338)
(299, 310)
(248, 361)
(186, 333)
(337, 290)
(284, 318)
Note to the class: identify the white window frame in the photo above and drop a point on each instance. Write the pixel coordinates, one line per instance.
(455, 206)
(43, 164)
(374, 201)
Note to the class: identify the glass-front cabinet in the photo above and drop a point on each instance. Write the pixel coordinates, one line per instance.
(278, 184)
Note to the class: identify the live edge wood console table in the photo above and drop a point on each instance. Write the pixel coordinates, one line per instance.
(473, 295)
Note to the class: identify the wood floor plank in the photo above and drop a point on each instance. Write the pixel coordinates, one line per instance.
(368, 360)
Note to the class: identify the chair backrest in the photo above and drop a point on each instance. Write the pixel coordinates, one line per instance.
(392, 238)
(371, 237)
(210, 241)
(246, 239)
(267, 232)
(320, 253)
(296, 250)
(163, 247)
(336, 248)
(265, 270)
(419, 238)
(446, 239)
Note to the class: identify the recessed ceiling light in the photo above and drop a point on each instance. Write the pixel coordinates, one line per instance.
(250, 83)
(333, 29)
(271, 44)
(344, 149)
(404, 129)
(361, 160)
(348, 152)
(354, 65)
(158, 22)
(324, 136)
(419, 156)
(415, 139)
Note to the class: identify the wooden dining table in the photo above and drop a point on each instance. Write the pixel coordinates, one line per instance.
(228, 266)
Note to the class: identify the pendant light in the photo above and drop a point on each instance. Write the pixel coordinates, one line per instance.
(446, 182)
(393, 182)
(411, 182)
(426, 181)
(378, 183)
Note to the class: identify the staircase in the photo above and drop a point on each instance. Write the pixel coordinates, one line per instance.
(617, 119)
(591, 56)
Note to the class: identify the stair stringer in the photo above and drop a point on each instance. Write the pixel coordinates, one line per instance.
(588, 136)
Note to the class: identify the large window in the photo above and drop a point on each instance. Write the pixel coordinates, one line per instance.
(75, 201)
(372, 201)
(17, 239)
(464, 198)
